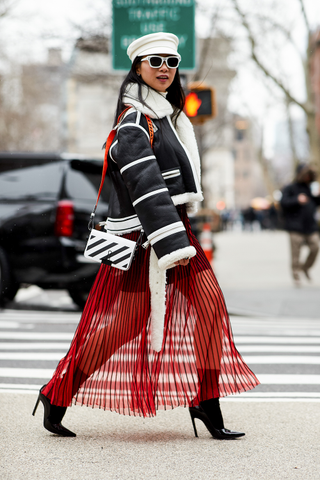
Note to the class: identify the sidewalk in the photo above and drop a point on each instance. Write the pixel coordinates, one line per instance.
(281, 443)
(253, 269)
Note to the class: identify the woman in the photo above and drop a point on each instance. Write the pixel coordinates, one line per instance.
(157, 335)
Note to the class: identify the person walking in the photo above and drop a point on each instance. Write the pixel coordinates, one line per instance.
(157, 336)
(299, 208)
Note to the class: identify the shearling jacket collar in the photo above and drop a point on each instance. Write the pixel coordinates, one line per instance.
(159, 105)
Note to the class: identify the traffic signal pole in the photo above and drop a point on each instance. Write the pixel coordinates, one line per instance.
(198, 130)
(200, 106)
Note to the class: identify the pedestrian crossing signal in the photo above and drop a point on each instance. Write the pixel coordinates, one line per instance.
(193, 103)
(200, 104)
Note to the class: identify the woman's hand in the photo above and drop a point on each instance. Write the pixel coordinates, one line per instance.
(182, 262)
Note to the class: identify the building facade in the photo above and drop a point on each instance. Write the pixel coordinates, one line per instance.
(32, 105)
(248, 179)
(91, 92)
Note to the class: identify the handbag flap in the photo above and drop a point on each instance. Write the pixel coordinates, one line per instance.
(110, 249)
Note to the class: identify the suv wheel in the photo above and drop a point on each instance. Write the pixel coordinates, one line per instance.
(4, 278)
(79, 295)
(12, 290)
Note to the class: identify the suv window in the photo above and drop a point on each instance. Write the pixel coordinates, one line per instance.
(41, 181)
(83, 181)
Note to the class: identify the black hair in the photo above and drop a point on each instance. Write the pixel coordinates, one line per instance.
(175, 93)
(304, 169)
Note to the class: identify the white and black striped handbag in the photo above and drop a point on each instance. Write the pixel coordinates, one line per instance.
(105, 247)
(110, 249)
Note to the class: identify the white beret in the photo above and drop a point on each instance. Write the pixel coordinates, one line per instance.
(155, 43)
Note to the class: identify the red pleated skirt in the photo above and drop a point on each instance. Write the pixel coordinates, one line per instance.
(111, 363)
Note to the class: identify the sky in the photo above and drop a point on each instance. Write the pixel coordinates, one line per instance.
(36, 25)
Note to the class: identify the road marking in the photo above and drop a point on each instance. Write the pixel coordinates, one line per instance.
(265, 379)
(21, 392)
(250, 359)
(274, 322)
(273, 397)
(43, 320)
(18, 386)
(281, 394)
(31, 356)
(233, 398)
(259, 336)
(279, 332)
(281, 360)
(302, 397)
(285, 340)
(26, 372)
(34, 346)
(35, 336)
(283, 379)
(9, 324)
(40, 317)
(244, 348)
(280, 348)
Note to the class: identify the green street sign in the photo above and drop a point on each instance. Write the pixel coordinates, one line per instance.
(134, 18)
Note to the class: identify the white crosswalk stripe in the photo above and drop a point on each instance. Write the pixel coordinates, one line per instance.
(31, 344)
(284, 353)
(35, 336)
(280, 343)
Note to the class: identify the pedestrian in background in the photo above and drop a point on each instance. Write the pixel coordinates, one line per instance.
(119, 358)
(299, 211)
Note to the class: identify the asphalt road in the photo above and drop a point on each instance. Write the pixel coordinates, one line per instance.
(277, 333)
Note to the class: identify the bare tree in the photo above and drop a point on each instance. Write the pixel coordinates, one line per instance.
(30, 107)
(6, 7)
(307, 106)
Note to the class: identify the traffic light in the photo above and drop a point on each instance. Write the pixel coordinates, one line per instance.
(200, 103)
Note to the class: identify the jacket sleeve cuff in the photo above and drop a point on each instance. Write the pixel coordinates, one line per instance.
(168, 261)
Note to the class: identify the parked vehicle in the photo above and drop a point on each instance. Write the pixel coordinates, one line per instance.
(45, 205)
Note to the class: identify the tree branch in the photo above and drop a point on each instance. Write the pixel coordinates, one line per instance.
(285, 31)
(306, 21)
(5, 7)
(262, 67)
(206, 48)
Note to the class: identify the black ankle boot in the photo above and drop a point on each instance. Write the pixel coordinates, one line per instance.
(56, 413)
(53, 415)
(213, 411)
(210, 414)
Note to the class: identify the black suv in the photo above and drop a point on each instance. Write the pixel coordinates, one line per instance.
(45, 205)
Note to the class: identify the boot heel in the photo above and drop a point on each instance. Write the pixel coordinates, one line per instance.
(52, 417)
(219, 433)
(194, 424)
(36, 405)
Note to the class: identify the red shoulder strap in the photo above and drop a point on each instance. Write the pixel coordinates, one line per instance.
(109, 141)
(150, 127)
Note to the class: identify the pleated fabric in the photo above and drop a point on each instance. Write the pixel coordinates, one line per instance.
(111, 364)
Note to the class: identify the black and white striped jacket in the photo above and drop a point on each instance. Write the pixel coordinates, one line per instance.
(148, 183)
